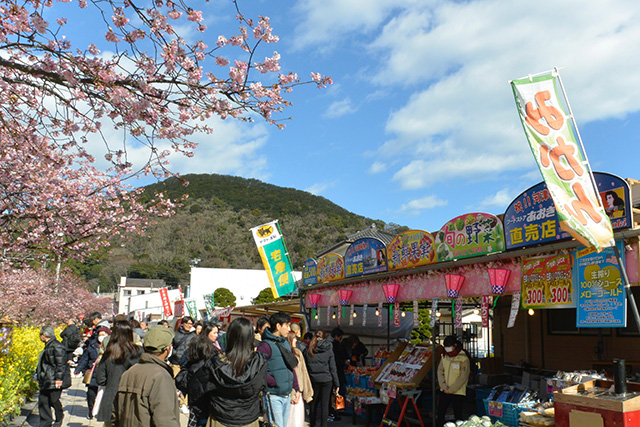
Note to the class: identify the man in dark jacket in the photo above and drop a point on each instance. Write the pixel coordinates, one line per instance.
(53, 376)
(181, 341)
(70, 337)
(281, 377)
(147, 395)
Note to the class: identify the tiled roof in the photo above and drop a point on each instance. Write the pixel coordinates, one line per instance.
(146, 283)
(372, 232)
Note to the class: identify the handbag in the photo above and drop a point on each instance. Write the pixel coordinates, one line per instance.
(338, 402)
(89, 373)
(268, 419)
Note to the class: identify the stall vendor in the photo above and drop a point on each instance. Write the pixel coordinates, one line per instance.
(453, 375)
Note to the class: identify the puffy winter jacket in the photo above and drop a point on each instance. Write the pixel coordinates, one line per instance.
(181, 342)
(53, 366)
(322, 365)
(233, 400)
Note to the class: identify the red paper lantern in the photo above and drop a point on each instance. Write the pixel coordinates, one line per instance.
(454, 283)
(314, 299)
(391, 292)
(498, 278)
(345, 296)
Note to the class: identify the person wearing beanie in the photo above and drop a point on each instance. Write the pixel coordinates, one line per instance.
(453, 375)
(147, 394)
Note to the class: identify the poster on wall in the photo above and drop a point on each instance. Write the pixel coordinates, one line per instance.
(531, 217)
(409, 249)
(365, 256)
(468, 236)
(310, 272)
(602, 298)
(547, 282)
(330, 268)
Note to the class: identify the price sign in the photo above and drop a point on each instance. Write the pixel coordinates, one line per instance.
(495, 409)
(547, 282)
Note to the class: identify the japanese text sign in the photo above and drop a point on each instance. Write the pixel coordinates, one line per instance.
(365, 256)
(310, 272)
(275, 258)
(563, 167)
(411, 248)
(602, 299)
(192, 308)
(179, 308)
(330, 267)
(486, 303)
(469, 235)
(547, 282)
(209, 304)
(166, 304)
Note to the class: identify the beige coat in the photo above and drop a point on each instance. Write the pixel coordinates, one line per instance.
(304, 382)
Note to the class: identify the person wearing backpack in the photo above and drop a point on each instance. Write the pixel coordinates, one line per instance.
(71, 338)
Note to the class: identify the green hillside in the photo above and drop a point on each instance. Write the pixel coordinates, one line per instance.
(212, 230)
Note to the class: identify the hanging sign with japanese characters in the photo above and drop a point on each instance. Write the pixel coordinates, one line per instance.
(330, 268)
(409, 249)
(275, 258)
(547, 282)
(602, 300)
(468, 236)
(310, 272)
(365, 256)
(562, 164)
(166, 304)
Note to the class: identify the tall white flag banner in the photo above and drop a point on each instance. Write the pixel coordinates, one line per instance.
(565, 170)
(515, 307)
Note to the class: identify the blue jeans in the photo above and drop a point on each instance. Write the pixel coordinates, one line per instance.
(280, 406)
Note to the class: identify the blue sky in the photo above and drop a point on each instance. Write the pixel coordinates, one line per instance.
(420, 125)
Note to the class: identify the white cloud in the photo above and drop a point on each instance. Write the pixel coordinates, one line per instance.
(418, 205)
(500, 199)
(319, 188)
(377, 167)
(340, 108)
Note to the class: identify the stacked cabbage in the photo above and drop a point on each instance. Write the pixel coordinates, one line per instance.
(475, 421)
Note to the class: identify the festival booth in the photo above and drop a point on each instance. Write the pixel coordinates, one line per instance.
(502, 265)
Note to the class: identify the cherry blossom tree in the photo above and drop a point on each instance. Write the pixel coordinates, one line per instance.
(150, 84)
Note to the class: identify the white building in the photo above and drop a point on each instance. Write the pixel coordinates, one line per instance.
(244, 284)
(131, 287)
(144, 305)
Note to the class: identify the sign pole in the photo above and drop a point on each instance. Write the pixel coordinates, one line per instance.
(434, 373)
(627, 285)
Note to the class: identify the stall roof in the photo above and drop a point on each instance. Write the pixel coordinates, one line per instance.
(372, 232)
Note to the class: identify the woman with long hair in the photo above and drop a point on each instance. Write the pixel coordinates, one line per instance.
(321, 365)
(120, 354)
(232, 382)
(296, 413)
(201, 349)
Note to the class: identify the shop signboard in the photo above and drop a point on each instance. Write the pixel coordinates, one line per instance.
(602, 298)
(616, 199)
(330, 268)
(468, 236)
(310, 272)
(547, 282)
(532, 219)
(552, 138)
(365, 256)
(409, 249)
(275, 258)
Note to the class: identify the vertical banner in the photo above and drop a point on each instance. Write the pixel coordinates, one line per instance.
(434, 311)
(328, 315)
(318, 316)
(486, 303)
(379, 314)
(458, 320)
(515, 306)
(396, 314)
(192, 308)
(416, 315)
(364, 314)
(166, 304)
(275, 258)
(179, 308)
(351, 311)
(562, 164)
(209, 304)
(340, 309)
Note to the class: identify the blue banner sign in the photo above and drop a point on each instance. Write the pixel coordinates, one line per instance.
(310, 272)
(365, 256)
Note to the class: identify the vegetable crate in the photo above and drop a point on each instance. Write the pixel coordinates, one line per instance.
(505, 412)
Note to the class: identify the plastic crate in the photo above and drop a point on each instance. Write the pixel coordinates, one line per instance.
(481, 395)
(510, 412)
(364, 381)
(350, 381)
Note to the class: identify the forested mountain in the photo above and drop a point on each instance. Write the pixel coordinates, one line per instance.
(212, 230)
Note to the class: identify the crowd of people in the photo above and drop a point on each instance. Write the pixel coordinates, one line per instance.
(137, 375)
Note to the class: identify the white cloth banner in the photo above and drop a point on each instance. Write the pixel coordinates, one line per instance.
(515, 307)
(416, 315)
(434, 310)
(364, 314)
(352, 310)
(458, 321)
(486, 303)
(379, 314)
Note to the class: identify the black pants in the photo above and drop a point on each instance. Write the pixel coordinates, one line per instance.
(91, 398)
(319, 406)
(443, 404)
(47, 400)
